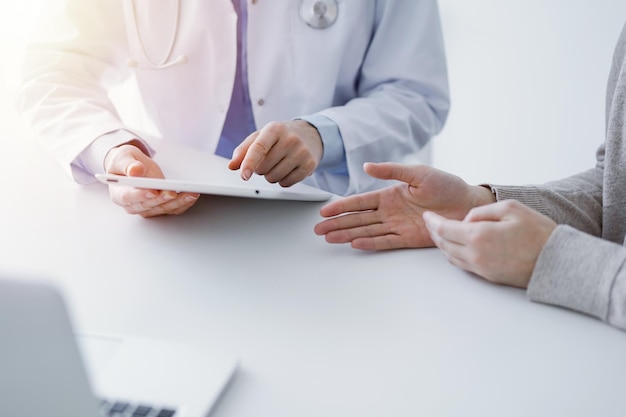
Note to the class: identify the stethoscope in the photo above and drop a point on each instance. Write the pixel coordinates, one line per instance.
(318, 14)
(167, 61)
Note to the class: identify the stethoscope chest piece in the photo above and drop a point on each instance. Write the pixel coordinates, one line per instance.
(318, 14)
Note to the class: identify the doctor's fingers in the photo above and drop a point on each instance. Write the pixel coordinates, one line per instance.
(252, 151)
(287, 165)
(241, 150)
(278, 142)
(130, 160)
(127, 196)
(286, 174)
(176, 205)
(148, 203)
(179, 205)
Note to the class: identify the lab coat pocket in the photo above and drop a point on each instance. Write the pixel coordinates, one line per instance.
(152, 29)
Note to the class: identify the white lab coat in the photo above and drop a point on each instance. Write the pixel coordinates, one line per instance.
(378, 72)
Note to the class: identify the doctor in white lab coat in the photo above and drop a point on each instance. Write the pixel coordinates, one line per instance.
(290, 89)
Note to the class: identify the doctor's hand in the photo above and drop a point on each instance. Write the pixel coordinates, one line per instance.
(129, 160)
(284, 152)
(499, 242)
(391, 218)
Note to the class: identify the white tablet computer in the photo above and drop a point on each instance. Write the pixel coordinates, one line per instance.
(252, 189)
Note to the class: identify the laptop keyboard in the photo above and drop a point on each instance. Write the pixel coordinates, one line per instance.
(125, 409)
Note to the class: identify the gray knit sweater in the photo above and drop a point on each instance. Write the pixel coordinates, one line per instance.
(582, 265)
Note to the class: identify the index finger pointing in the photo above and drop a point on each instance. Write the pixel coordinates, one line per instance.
(257, 151)
(240, 151)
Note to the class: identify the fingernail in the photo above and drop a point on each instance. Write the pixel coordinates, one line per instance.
(247, 174)
(150, 195)
(190, 198)
(169, 196)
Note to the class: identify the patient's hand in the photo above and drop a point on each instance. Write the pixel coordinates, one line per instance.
(500, 242)
(391, 217)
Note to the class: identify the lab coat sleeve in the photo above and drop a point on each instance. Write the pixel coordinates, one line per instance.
(334, 155)
(76, 54)
(402, 99)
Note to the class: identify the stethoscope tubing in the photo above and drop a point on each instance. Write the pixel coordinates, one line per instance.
(166, 61)
(309, 12)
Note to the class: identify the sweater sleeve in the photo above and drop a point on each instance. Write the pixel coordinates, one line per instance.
(583, 273)
(581, 266)
(575, 201)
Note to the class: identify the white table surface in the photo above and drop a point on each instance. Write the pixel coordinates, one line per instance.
(321, 330)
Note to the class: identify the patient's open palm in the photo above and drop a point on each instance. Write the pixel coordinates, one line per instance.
(392, 217)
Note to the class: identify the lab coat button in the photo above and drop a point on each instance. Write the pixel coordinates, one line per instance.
(260, 102)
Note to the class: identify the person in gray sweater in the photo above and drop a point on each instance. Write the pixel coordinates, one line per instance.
(563, 240)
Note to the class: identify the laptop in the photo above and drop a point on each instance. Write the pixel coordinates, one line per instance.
(46, 369)
(256, 187)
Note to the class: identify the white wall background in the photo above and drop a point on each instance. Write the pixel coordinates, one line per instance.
(527, 78)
